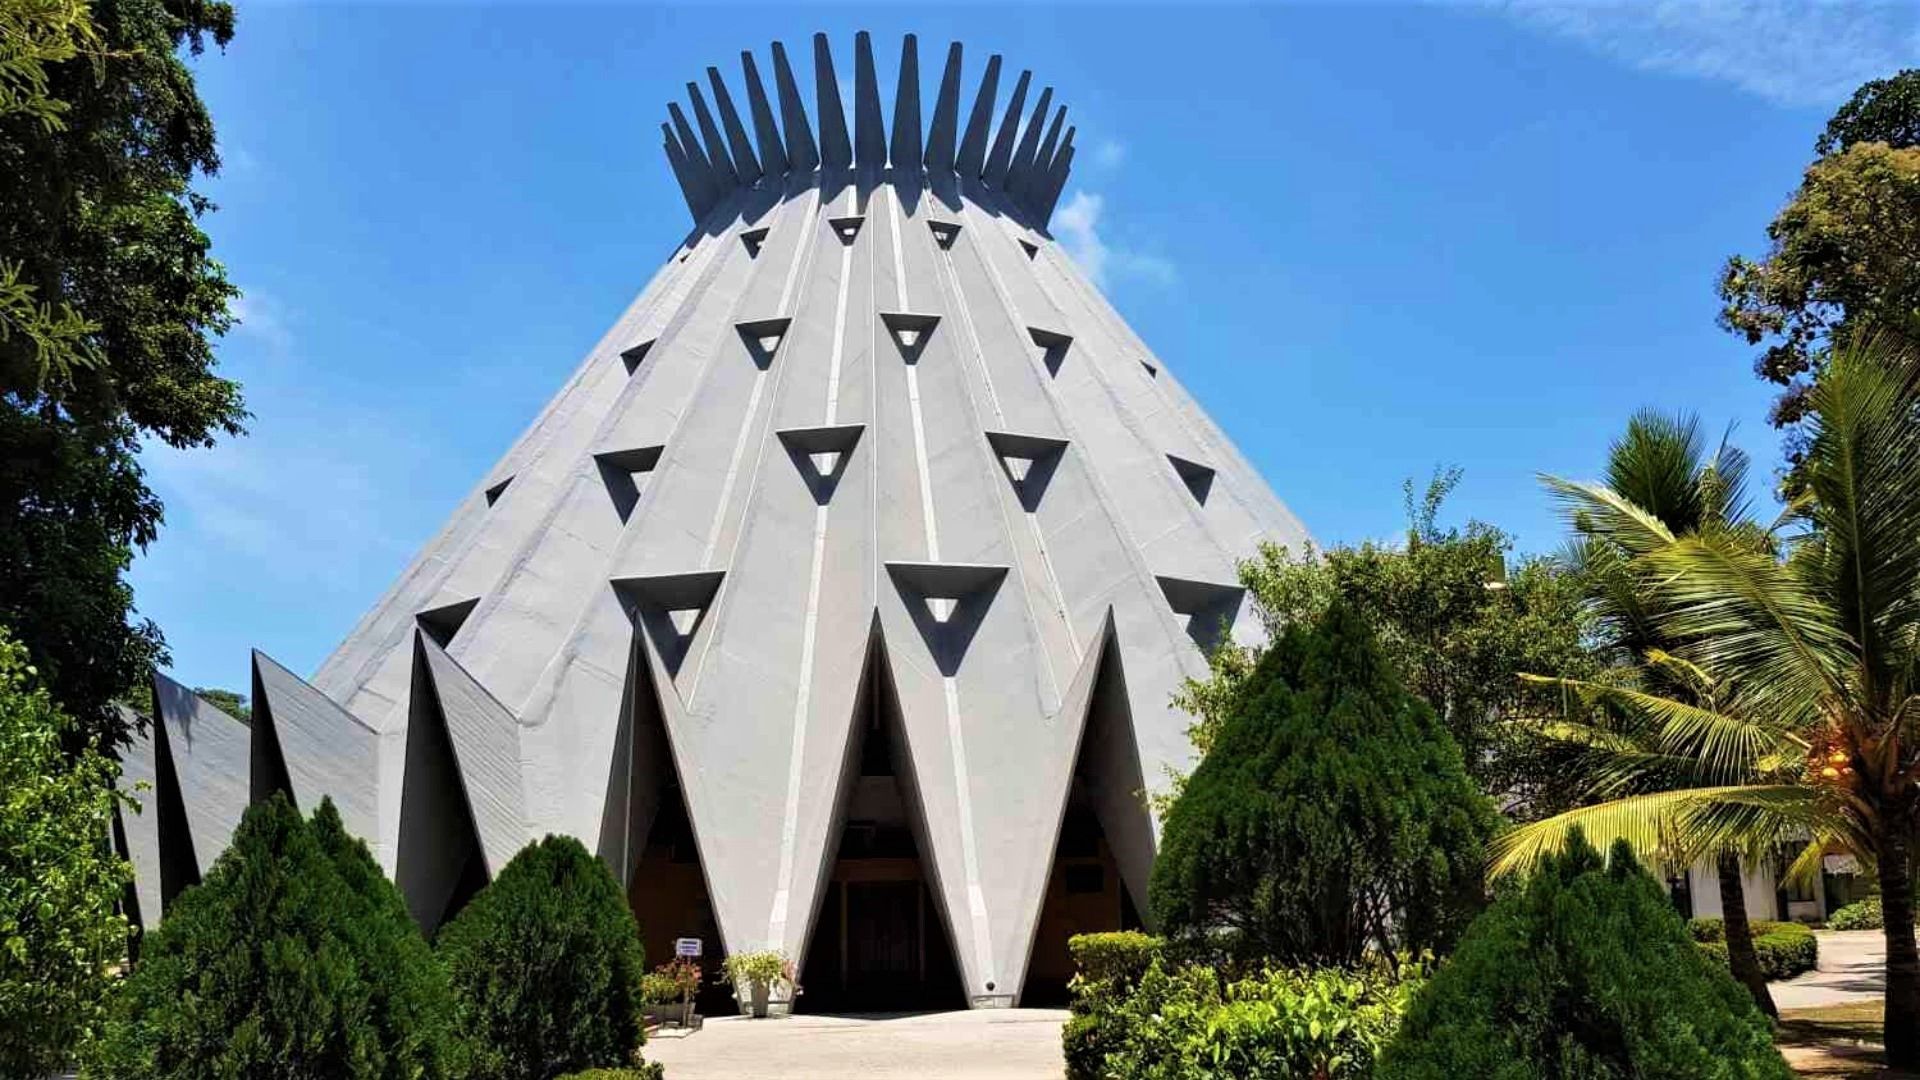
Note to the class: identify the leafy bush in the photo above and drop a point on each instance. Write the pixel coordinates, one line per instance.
(60, 882)
(649, 1070)
(1859, 915)
(659, 989)
(1785, 949)
(1584, 971)
(546, 966)
(293, 958)
(1107, 968)
(1185, 1022)
(768, 967)
(1331, 816)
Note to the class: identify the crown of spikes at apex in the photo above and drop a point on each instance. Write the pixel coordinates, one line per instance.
(713, 160)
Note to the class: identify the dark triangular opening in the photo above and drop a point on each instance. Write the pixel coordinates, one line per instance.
(910, 332)
(442, 623)
(846, 228)
(632, 357)
(754, 239)
(268, 770)
(670, 608)
(762, 338)
(1105, 850)
(1152, 372)
(439, 865)
(179, 869)
(1030, 248)
(1029, 462)
(621, 471)
(821, 454)
(1208, 608)
(944, 233)
(948, 602)
(1197, 477)
(1053, 347)
(880, 938)
(497, 490)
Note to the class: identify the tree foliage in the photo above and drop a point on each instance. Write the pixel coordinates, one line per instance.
(1584, 972)
(1331, 816)
(60, 882)
(293, 958)
(109, 304)
(546, 966)
(1881, 111)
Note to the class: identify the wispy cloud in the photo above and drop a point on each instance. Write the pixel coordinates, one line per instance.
(1792, 52)
(1078, 226)
(261, 317)
(1109, 153)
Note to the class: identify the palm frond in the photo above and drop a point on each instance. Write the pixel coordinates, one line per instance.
(1670, 828)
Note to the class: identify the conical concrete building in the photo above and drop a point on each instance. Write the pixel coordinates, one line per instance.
(837, 599)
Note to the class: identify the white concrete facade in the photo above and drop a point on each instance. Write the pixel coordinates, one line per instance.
(867, 414)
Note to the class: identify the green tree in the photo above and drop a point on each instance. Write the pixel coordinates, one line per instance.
(291, 959)
(231, 702)
(109, 304)
(60, 882)
(1881, 111)
(1584, 972)
(546, 966)
(1454, 618)
(1332, 815)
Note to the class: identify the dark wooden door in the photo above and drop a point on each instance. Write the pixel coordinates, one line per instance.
(884, 925)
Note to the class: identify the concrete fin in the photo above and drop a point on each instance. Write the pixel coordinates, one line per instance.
(440, 863)
(633, 355)
(973, 147)
(306, 745)
(1029, 461)
(694, 187)
(1209, 608)
(745, 164)
(847, 228)
(1002, 155)
(766, 134)
(1043, 211)
(836, 149)
(869, 127)
(653, 602)
(137, 836)
(821, 454)
(763, 337)
(723, 167)
(802, 154)
(946, 116)
(947, 601)
(210, 755)
(754, 239)
(622, 471)
(944, 233)
(1197, 477)
(905, 142)
(1029, 247)
(494, 491)
(179, 866)
(699, 166)
(486, 747)
(443, 622)
(1020, 173)
(910, 332)
(1053, 347)
(1047, 156)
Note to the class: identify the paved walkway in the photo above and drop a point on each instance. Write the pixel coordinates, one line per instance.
(990, 1043)
(1852, 969)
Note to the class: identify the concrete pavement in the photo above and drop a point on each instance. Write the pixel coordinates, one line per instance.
(1852, 968)
(991, 1044)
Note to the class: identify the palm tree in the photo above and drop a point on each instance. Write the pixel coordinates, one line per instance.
(1820, 649)
(1659, 467)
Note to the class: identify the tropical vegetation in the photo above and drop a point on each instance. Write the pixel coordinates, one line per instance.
(1781, 949)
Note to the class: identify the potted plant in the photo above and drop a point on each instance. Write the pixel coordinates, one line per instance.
(753, 974)
(668, 991)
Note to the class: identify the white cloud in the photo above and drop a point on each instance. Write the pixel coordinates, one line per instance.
(1077, 225)
(1792, 52)
(260, 317)
(1109, 153)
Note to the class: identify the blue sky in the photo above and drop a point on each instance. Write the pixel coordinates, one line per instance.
(1370, 239)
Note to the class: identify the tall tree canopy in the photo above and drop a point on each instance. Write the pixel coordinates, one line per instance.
(109, 306)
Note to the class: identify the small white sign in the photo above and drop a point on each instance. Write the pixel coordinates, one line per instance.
(686, 946)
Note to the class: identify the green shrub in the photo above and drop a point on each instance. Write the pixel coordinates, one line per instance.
(293, 958)
(546, 966)
(1584, 971)
(1106, 969)
(1785, 949)
(1120, 956)
(1329, 797)
(649, 1070)
(659, 989)
(1859, 915)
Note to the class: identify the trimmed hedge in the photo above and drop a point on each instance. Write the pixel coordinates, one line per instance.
(1584, 971)
(1785, 949)
(1859, 915)
(649, 1071)
(1108, 967)
(546, 966)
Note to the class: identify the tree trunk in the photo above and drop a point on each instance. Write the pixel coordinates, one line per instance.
(1740, 955)
(1902, 1017)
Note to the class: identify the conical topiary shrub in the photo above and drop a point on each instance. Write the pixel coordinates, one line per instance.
(546, 965)
(1585, 971)
(280, 965)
